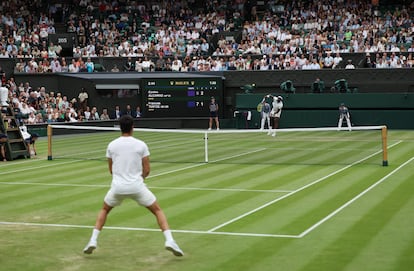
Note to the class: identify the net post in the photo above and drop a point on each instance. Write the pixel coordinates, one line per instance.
(384, 146)
(206, 147)
(49, 142)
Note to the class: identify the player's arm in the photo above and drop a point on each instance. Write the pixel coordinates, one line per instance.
(110, 165)
(146, 168)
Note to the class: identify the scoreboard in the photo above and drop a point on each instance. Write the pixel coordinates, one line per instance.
(180, 97)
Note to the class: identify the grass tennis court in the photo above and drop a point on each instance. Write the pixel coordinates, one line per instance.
(300, 201)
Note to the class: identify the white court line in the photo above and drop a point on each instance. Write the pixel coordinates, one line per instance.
(152, 187)
(306, 232)
(55, 184)
(38, 167)
(296, 191)
(234, 233)
(221, 189)
(41, 158)
(203, 164)
(310, 229)
(148, 229)
(151, 176)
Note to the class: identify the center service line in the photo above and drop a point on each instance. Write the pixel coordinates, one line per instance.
(203, 164)
(296, 191)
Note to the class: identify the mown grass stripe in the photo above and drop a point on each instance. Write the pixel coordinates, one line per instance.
(289, 194)
(369, 226)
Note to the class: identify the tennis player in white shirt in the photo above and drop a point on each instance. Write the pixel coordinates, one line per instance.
(128, 161)
(277, 106)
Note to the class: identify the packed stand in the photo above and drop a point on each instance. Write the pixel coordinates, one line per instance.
(36, 105)
(188, 35)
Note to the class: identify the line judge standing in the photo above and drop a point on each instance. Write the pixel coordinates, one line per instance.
(344, 114)
(213, 107)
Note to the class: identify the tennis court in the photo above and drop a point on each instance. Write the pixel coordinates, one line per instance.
(298, 201)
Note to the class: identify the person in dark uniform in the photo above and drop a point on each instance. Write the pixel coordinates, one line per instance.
(3, 140)
(344, 114)
(213, 107)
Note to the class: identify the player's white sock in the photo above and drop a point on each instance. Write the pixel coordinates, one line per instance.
(168, 235)
(95, 234)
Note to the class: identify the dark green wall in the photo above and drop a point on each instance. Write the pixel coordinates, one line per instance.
(332, 100)
(319, 110)
(396, 84)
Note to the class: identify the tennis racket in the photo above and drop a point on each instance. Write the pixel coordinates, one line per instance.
(259, 107)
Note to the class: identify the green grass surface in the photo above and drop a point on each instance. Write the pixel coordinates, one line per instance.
(300, 201)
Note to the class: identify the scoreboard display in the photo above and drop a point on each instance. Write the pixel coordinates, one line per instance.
(180, 97)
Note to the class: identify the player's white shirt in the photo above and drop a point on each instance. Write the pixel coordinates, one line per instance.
(276, 106)
(126, 154)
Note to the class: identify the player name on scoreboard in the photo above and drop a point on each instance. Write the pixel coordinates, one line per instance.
(180, 97)
(157, 94)
(154, 105)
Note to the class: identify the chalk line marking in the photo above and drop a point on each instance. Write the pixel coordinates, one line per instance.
(296, 191)
(320, 222)
(151, 176)
(147, 229)
(153, 187)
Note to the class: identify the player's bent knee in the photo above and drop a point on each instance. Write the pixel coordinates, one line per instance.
(154, 207)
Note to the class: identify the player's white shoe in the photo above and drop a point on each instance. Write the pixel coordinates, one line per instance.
(209, 129)
(174, 248)
(90, 247)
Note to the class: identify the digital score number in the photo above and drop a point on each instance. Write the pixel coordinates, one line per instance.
(180, 97)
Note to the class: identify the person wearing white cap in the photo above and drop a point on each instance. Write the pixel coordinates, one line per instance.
(4, 94)
(277, 106)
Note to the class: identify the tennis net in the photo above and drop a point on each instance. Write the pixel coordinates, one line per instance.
(290, 146)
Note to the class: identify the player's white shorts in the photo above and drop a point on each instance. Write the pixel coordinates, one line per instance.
(143, 197)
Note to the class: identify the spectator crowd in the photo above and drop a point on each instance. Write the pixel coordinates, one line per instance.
(37, 105)
(190, 35)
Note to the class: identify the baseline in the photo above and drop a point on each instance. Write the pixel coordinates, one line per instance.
(5, 223)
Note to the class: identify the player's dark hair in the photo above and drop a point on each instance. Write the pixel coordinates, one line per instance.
(126, 122)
